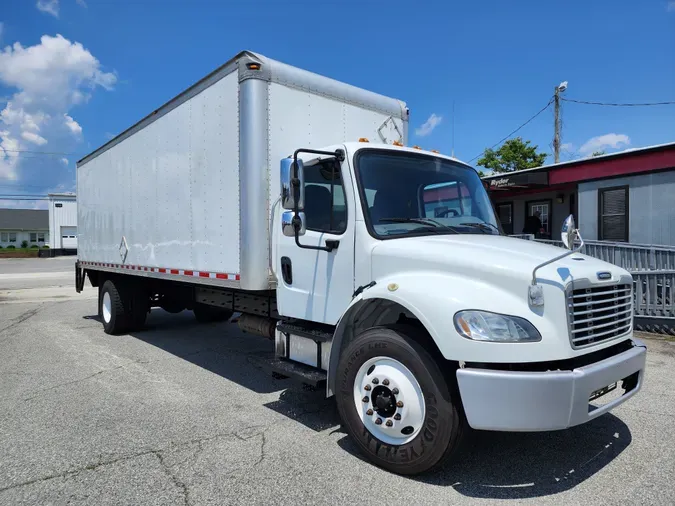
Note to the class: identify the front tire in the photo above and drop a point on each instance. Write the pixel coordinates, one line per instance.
(396, 403)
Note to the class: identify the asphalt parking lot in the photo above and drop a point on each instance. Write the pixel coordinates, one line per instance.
(183, 414)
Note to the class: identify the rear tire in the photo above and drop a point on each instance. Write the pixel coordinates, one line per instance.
(112, 309)
(208, 314)
(420, 423)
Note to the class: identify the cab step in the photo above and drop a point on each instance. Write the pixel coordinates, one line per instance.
(314, 331)
(296, 371)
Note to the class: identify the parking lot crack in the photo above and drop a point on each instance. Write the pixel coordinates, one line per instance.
(185, 492)
(263, 442)
(68, 383)
(72, 472)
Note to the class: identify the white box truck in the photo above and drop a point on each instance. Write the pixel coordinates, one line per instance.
(376, 269)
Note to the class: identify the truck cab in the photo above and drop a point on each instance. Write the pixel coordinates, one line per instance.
(440, 320)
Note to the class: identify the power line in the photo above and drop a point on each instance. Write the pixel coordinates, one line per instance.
(612, 104)
(17, 199)
(516, 130)
(38, 152)
(6, 195)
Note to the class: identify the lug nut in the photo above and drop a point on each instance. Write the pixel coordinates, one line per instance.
(395, 391)
(369, 412)
(397, 416)
(367, 388)
(385, 382)
(378, 421)
(366, 399)
(399, 404)
(389, 423)
(375, 381)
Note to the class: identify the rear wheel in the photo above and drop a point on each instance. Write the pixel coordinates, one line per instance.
(112, 309)
(396, 403)
(207, 314)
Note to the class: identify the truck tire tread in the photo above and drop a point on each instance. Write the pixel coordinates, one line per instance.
(439, 437)
(119, 319)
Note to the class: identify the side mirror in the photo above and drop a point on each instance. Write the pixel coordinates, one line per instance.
(291, 194)
(568, 234)
(289, 223)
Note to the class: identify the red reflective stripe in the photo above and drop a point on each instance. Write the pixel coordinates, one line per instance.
(174, 271)
(221, 276)
(163, 271)
(188, 273)
(204, 275)
(236, 276)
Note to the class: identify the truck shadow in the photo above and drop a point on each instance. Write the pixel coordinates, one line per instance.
(223, 349)
(500, 465)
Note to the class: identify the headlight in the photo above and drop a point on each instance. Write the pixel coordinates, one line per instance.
(498, 328)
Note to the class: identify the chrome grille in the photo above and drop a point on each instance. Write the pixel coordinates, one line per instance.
(600, 313)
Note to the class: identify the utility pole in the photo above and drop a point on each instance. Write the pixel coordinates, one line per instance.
(557, 126)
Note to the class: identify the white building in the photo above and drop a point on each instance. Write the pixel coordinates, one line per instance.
(62, 221)
(19, 225)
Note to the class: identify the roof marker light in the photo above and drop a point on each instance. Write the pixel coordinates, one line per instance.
(363, 139)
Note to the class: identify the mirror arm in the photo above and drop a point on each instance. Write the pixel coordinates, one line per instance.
(339, 154)
(567, 253)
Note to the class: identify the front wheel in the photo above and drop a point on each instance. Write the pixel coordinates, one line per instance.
(395, 402)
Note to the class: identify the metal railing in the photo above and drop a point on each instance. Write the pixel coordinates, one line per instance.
(632, 257)
(653, 271)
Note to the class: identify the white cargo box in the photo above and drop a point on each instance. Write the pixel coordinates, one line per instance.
(187, 191)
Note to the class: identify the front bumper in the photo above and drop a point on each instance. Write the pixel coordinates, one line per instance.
(539, 401)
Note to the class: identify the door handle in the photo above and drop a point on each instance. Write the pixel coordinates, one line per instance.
(287, 270)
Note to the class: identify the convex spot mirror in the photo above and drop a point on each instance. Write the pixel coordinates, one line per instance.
(289, 222)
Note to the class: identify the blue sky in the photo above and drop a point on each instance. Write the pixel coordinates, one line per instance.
(73, 72)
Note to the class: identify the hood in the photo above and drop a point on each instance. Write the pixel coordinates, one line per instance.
(485, 256)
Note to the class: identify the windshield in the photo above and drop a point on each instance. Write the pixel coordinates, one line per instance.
(409, 194)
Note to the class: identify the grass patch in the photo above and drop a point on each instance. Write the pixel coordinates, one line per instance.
(18, 252)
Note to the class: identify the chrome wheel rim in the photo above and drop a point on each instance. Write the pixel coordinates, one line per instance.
(389, 400)
(106, 307)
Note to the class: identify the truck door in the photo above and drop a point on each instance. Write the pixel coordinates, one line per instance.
(318, 285)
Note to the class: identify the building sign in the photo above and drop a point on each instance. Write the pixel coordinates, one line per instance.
(523, 180)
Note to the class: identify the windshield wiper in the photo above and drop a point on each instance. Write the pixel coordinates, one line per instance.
(430, 224)
(481, 226)
(423, 221)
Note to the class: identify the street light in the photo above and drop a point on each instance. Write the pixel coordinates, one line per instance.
(562, 87)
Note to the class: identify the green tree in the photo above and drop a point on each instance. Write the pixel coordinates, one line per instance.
(514, 154)
(597, 153)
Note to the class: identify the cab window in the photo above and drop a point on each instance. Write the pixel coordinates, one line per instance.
(325, 205)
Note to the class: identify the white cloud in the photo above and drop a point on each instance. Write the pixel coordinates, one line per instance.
(81, 3)
(603, 142)
(428, 126)
(50, 78)
(49, 6)
(73, 125)
(64, 161)
(34, 138)
(671, 6)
